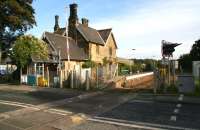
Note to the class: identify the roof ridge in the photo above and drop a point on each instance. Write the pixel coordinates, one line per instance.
(88, 27)
(86, 31)
(59, 35)
(104, 29)
(101, 37)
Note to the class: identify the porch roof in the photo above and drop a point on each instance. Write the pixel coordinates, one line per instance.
(39, 60)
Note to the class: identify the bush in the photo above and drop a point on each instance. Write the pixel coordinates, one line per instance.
(89, 64)
(197, 87)
(172, 89)
(8, 78)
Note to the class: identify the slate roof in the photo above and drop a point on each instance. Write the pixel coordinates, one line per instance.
(60, 43)
(60, 31)
(105, 33)
(39, 60)
(90, 34)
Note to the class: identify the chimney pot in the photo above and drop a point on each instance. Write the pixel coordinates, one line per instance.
(73, 20)
(56, 27)
(85, 21)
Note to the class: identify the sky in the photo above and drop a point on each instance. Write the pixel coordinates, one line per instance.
(136, 24)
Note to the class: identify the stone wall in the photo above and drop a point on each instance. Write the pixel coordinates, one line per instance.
(141, 82)
(137, 81)
(103, 51)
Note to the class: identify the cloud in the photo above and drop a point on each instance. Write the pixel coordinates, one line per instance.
(144, 28)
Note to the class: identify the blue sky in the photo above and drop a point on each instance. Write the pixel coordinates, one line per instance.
(139, 24)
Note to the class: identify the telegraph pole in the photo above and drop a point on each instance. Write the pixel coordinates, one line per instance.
(67, 42)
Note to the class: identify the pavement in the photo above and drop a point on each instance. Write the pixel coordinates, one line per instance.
(28, 108)
(34, 95)
(7, 108)
(186, 84)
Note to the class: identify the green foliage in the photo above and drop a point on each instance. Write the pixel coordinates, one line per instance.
(105, 61)
(16, 17)
(137, 67)
(185, 63)
(27, 46)
(195, 51)
(197, 87)
(89, 64)
(172, 89)
(140, 65)
(197, 91)
(124, 69)
(146, 64)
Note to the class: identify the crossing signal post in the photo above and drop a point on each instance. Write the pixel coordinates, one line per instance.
(167, 49)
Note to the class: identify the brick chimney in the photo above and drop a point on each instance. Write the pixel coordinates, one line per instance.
(85, 22)
(73, 20)
(56, 27)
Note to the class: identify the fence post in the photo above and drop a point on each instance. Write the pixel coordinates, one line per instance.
(155, 81)
(72, 80)
(75, 78)
(87, 80)
(48, 76)
(97, 75)
(61, 84)
(21, 75)
(169, 75)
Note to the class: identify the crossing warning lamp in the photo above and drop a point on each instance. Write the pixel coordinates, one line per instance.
(168, 48)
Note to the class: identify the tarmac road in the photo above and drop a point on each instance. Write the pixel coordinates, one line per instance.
(110, 110)
(155, 113)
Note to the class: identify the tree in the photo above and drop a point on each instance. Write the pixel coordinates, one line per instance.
(195, 51)
(149, 64)
(27, 46)
(16, 17)
(185, 62)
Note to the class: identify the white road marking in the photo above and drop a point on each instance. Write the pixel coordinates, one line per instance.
(134, 124)
(18, 104)
(178, 105)
(173, 118)
(176, 111)
(124, 124)
(180, 98)
(140, 101)
(53, 112)
(57, 111)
